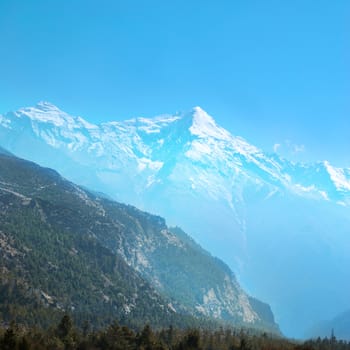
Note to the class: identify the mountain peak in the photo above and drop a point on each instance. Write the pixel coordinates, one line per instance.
(200, 113)
(46, 105)
(199, 109)
(204, 126)
(46, 112)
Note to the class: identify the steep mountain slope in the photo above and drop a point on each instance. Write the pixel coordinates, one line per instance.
(47, 269)
(275, 222)
(66, 248)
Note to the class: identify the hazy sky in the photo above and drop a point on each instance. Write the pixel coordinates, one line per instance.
(274, 72)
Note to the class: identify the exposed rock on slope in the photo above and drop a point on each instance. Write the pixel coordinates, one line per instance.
(75, 250)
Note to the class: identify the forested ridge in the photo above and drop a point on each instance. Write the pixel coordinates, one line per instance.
(66, 336)
(65, 249)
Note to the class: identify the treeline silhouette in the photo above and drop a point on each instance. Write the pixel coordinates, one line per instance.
(65, 335)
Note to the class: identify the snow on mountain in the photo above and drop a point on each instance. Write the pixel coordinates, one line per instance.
(188, 148)
(204, 126)
(47, 113)
(338, 177)
(151, 143)
(230, 195)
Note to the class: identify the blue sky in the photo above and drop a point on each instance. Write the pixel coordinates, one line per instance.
(274, 72)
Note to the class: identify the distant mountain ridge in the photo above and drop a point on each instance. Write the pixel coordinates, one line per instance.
(63, 248)
(244, 205)
(140, 142)
(339, 326)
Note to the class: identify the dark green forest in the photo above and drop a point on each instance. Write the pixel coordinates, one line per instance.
(65, 335)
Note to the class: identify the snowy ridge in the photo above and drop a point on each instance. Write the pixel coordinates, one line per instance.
(145, 145)
(47, 113)
(338, 176)
(204, 126)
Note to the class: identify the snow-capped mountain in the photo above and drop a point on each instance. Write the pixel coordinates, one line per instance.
(267, 217)
(149, 147)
